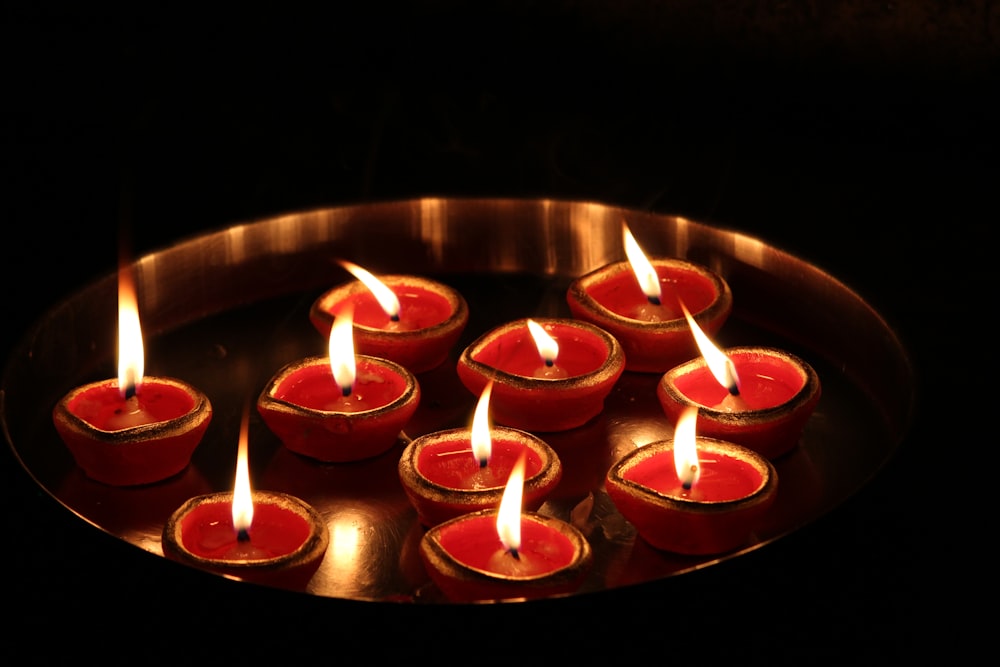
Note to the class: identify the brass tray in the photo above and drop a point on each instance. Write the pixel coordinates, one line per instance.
(224, 310)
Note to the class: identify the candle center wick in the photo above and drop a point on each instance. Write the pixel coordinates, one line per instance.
(655, 300)
(513, 552)
(242, 535)
(550, 363)
(130, 391)
(483, 462)
(394, 317)
(345, 391)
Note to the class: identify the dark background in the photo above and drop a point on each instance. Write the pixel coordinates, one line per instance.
(858, 135)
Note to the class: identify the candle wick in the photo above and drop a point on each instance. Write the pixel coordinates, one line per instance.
(242, 535)
(686, 485)
(483, 462)
(345, 391)
(394, 318)
(550, 363)
(513, 552)
(129, 391)
(655, 300)
(734, 390)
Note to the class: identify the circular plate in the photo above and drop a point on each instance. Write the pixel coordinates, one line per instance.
(223, 311)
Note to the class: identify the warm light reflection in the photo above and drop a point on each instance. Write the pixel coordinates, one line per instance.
(548, 348)
(649, 280)
(242, 500)
(509, 514)
(385, 296)
(342, 360)
(686, 448)
(482, 444)
(721, 366)
(131, 355)
(345, 543)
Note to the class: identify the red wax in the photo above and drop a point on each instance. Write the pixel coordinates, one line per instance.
(621, 294)
(207, 532)
(514, 351)
(723, 478)
(314, 387)
(451, 463)
(765, 382)
(474, 542)
(102, 406)
(419, 308)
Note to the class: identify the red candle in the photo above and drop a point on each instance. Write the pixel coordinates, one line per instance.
(505, 553)
(134, 429)
(261, 536)
(639, 301)
(691, 494)
(344, 407)
(411, 320)
(777, 394)
(453, 472)
(549, 374)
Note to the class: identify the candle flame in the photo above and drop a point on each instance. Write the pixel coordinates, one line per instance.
(342, 359)
(548, 348)
(722, 367)
(649, 280)
(131, 363)
(509, 514)
(385, 296)
(686, 448)
(242, 500)
(482, 444)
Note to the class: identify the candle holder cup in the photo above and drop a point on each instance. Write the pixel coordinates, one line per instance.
(285, 547)
(655, 337)
(643, 487)
(779, 393)
(443, 480)
(432, 318)
(176, 418)
(305, 408)
(465, 558)
(526, 393)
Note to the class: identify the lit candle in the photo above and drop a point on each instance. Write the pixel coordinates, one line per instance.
(411, 320)
(261, 536)
(504, 552)
(341, 407)
(758, 397)
(638, 302)
(457, 471)
(692, 494)
(134, 429)
(549, 374)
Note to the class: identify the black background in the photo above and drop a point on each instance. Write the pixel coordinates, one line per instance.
(859, 136)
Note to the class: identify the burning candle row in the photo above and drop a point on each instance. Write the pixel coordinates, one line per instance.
(532, 375)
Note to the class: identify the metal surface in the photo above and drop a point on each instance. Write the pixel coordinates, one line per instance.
(225, 310)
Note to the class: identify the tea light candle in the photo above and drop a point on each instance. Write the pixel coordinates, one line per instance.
(411, 320)
(505, 553)
(693, 495)
(261, 536)
(343, 407)
(456, 471)
(134, 429)
(758, 397)
(638, 302)
(549, 374)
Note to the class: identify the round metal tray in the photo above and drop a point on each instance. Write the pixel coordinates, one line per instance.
(223, 311)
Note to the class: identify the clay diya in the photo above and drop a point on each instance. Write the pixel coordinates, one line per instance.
(758, 397)
(134, 429)
(693, 495)
(549, 374)
(457, 471)
(411, 320)
(343, 407)
(505, 553)
(265, 537)
(638, 302)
